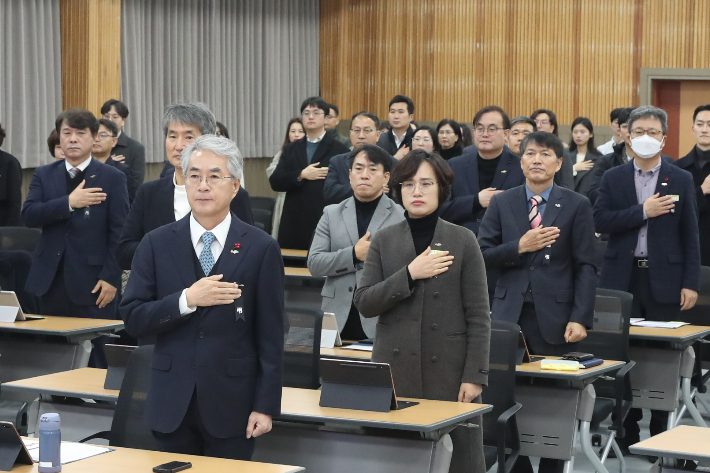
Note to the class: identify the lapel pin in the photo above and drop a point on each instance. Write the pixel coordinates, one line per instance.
(437, 244)
(92, 176)
(237, 246)
(558, 205)
(503, 171)
(664, 183)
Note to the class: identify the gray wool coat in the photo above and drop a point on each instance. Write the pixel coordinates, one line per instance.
(436, 335)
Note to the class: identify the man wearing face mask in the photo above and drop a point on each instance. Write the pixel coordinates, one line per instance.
(649, 209)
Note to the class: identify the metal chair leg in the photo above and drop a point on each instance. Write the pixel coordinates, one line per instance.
(586, 442)
(607, 446)
(687, 398)
(622, 461)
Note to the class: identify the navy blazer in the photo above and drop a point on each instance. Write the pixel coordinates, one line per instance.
(86, 241)
(154, 207)
(134, 152)
(337, 186)
(673, 245)
(508, 174)
(235, 364)
(562, 276)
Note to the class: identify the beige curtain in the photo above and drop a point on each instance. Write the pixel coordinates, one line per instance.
(251, 61)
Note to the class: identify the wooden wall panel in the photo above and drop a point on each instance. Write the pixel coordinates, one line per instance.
(91, 52)
(577, 57)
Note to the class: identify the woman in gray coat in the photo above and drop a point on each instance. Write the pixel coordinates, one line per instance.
(425, 278)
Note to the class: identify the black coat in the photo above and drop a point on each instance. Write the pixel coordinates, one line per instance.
(154, 207)
(134, 152)
(10, 190)
(337, 186)
(583, 179)
(689, 163)
(130, 177)
(387, 143)
(304, 201)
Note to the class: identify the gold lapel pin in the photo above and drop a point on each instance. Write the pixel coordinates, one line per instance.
(503, 171)
(92, 176)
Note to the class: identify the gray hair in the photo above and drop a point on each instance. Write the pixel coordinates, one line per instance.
(221, 147)
(523, 119)
(196, 113)
(649, 111)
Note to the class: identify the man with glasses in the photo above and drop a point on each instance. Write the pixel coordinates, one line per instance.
(209, 288)
(344, 233)
(332, 119)
(649, 209)
(103, 144)
(520, 127)
(301, 173)
(617, 138)
(363, 130)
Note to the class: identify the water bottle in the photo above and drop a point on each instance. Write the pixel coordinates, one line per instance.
(50, 439)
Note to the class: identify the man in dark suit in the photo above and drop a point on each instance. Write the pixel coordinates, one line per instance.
(103, 144)
(217, 366)
(301, 173)
(649, 209)
(697, 163)
(541, 238)
(398, 141)
(80, 205)
(165, 200)
(10, 187)
(126, 150)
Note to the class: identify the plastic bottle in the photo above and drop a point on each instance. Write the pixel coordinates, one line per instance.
(50, 439)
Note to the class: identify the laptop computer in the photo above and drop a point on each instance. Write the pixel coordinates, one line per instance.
(10, 309)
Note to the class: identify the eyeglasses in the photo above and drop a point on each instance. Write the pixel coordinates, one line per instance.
(520, 132)
(492, 130)
(652, 132)
(103, 136)
(542, 122)
(426, 186)
(315, 113)
(213, 180)
(357, 131)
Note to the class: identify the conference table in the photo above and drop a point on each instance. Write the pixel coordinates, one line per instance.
(685, 442)
(321, 439)
(294, 257)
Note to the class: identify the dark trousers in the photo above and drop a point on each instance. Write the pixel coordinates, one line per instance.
(537, 345)
(192, 438)
(57, 302)
(646, 306)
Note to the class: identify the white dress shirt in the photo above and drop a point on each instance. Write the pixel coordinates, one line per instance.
(398, 140)
(181, 206)
(317, 140)
(81, 167)
(608, 147)
(580, 158)
(220, 233)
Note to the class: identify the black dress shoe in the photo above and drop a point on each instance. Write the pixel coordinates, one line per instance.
(624, 451)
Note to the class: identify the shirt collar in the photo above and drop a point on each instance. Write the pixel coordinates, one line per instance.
(639, 171)
(544, 194)
(317, 140)
(81, 167)
(220, 231)
(175, 180)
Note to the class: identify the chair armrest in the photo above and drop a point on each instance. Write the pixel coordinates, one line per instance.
(98, 435)
(623, 396)
(504, 420)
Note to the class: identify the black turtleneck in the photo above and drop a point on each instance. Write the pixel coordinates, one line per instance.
(422, 230)
(456, 150)
(487, 171)
(702, 157)
(364, 212)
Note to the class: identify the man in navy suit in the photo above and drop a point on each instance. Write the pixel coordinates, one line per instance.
(80, 205)
(209, 288)
(541, 238)
(126, 150)
(649, 209)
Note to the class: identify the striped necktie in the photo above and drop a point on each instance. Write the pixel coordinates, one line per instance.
(534, 214)
(206, 257)
(73, 172)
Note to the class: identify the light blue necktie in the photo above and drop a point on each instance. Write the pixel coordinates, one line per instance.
(206, 257)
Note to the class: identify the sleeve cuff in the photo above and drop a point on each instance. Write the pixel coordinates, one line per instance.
(182, 304)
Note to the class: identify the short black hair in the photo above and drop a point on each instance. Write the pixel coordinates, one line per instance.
(523, 119)
(402, 99)
(702, 108)
(121, 108)
(409, 165)
(384, 125)
(223, 129)
(614, 115)
(489, 109)
(549, 113)
(375, 154)
(624, 115)
(317, 102)
(545, 139)
(2, 135)
(53, 141)
(334, 108)
(369, 115)
(78, 118)
(111, 126)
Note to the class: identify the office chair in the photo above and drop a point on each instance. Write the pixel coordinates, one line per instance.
(19, 238)
(500, 428)
(302, 331)
(263, 210)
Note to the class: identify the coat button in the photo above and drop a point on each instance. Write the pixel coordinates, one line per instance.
(59, 254)
(532, 268)
(394, 297)
(202, 334)
(395, 351)
(399, 294)
(434, 326)
(350, 289)
(434, 359)
(436, 294)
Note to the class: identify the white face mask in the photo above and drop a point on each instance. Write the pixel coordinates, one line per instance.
(646, 147)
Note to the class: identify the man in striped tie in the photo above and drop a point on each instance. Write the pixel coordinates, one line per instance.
(541, 237)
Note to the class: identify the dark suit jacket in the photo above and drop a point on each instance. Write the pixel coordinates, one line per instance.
(562, 277)
(131, 183)
(387, 143)
(673, 246)
(583, 179)
(508, 174)
(304, 202)
(86, 244)
(235, 365)
(689, 163)
(134, 152)
(565, 176)
(10, 190)
(337, 186)
(154, 207)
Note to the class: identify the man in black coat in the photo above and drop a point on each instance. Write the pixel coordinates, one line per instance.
(398, 141)
(10, 187)
(103, 144)
(126, 150)
(301, 173)
(697, 163)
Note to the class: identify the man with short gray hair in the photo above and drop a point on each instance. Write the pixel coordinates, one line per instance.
(210, 289)
(649, 209)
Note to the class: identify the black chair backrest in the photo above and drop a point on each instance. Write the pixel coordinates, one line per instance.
(128, 428)
(263, 219)
(263, 203)
(700, 313)
(302, 331)
(19, 238)
(500, 391)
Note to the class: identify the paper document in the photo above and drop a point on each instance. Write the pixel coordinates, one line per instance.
(635, 320)
(652, 324)
(359, 346)
(70, 451)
